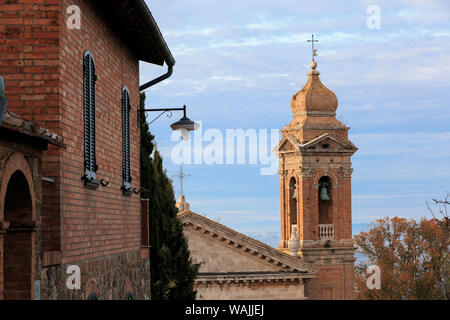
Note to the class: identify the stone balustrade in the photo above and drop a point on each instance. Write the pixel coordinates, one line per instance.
(326, 231)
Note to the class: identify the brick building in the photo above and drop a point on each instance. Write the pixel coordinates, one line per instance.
(21, 212)
(315, 190)
(73, 67)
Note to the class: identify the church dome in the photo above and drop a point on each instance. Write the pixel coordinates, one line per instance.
(314, 98)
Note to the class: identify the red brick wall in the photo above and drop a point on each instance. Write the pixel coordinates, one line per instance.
(29, 63)
(102, 221)
(340, 207)
(18, 266)
(42, 61)
(334, 282)
(29, 55)
(50, 219)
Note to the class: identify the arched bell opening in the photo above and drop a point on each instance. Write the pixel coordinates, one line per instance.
(18, 240)
(292, 203)
(325, 201)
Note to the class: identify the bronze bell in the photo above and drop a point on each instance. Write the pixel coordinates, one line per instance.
(294, 192)
(324, 193)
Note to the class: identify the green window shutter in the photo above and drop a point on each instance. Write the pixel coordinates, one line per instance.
(89, 81)
(126, 168)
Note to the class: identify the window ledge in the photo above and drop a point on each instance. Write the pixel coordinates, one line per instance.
(126, 191)
(92, 184)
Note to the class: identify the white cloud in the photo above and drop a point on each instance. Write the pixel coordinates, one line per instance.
(420, 144)
(389, 196)
(240, 62)
(235, 201)
(185, 32)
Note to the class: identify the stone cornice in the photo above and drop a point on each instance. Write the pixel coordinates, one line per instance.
(248, 245)
(305, 148)
(251, 277)
(334, 244)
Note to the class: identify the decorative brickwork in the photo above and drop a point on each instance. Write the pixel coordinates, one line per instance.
(315, 155)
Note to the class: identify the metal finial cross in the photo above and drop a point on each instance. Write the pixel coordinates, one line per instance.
(314, 51)
(181, 176)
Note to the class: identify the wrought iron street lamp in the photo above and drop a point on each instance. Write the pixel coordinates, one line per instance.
(184, 124)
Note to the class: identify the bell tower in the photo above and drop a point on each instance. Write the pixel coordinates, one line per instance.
(315, 189)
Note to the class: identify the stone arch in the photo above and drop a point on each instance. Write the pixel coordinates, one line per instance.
(18, 240)
(323, 173)
(18, 203)
(16, 162)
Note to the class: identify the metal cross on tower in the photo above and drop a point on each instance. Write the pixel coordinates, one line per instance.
(181, 175)
(314, 51)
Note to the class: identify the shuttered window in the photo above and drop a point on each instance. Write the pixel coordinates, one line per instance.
(89, 80)
(126, 170)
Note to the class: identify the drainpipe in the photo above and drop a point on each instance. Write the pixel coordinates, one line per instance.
(150, 26)
(142, 88)
(157, 80)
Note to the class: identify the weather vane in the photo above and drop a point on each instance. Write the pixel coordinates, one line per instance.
(314, 51)
(181, 176)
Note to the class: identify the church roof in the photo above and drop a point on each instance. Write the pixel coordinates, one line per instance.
(314, 98)
(286, 264)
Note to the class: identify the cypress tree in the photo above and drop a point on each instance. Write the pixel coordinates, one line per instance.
(171, 268)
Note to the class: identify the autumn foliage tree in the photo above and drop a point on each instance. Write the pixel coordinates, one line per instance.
(442, 218)
(413, 258)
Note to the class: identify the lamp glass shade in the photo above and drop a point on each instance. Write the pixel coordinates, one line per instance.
(184, 124)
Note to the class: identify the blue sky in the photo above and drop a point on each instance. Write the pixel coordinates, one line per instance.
(240, 62)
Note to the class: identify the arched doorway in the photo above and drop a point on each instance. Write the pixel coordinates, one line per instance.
(18, 239)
